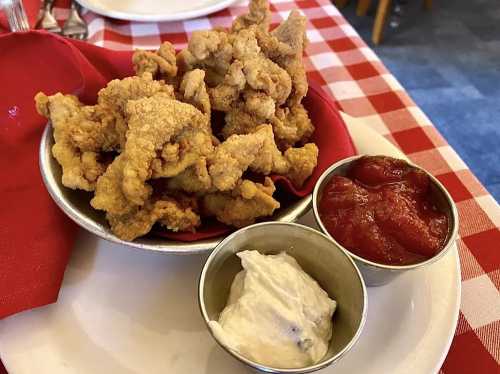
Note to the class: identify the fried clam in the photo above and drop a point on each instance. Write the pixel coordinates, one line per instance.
(139, 221)
(242, 205)
(71, 121)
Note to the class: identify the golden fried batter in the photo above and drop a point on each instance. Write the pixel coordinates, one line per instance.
(194, 179)
(227, 92)
(152, 122)
(302, 162)
(162, 62)
(258, 152)
(241, 206)
(80, 166)
(292, 32)
(194, 91)
(264, 75)
(208, 50)
(109, 195)
(231, 158)
(141, 220)
(259, 14)
(291, 125)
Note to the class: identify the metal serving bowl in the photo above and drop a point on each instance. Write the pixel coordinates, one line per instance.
(376, 274)
(76, 204)
(318, 255)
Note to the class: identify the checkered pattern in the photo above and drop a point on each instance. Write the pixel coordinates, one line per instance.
(362, 86)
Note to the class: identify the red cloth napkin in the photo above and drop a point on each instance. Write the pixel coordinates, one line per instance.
(35, 236)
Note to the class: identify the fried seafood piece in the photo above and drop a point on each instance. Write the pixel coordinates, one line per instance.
(161, 62)
(261, 84)
(292, 125)
(241, 206)
(108, 194)
(112, 100)
(269, 159)
(194, 179)
(264, 75)
(292, 32)
(245, 43)
(209, 50)
(256, 151)
(259, 104)
(80, 166)
(108, 136)
(238, 121)
(231, 158)
(194, 91)
(225, 94)
(152, 122)
(259, 14)
(192, 143)
(285, 46)
(139, 221)
(118, 92)
(302, 162)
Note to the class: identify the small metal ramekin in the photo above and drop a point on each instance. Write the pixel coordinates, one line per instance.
(376, 274)
(317, 254)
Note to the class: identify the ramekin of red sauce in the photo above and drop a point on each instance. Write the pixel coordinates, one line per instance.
(385, 211)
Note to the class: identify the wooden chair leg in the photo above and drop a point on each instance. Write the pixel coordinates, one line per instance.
(363, 6)
(341, 3)
(427, 4)
(378, 27)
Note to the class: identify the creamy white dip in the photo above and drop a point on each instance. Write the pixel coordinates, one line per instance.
(276, 314)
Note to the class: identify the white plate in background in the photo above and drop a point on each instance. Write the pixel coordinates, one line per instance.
(155, 10)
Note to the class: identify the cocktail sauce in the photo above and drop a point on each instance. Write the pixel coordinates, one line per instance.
(383, 210)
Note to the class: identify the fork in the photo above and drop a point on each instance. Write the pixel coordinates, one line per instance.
(15, 15)
(75, 27)
(47, 20)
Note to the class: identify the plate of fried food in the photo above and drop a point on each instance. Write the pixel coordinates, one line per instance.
(214, 138)
(198, 143)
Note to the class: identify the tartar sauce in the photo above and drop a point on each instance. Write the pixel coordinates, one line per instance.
(276, 314)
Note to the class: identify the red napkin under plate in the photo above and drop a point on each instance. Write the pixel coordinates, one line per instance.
(35, 236)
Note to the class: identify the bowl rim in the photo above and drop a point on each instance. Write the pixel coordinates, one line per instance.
(302, 206)
(270, 369)
(452, 233)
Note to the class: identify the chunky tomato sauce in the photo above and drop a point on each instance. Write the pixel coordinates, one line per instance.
(383, 211)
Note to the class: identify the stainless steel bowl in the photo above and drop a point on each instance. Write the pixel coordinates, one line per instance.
(319, 256)
(76, 204)
(376, 274)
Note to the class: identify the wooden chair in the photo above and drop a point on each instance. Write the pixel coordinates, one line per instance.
(381, 16)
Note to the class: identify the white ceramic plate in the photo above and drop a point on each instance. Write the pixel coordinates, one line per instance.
(155, 10)
(123, 310)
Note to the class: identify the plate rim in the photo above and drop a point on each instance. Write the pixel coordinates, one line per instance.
(350, 122)
(177, 16)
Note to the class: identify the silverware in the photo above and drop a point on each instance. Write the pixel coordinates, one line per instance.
(317, 254)
(75, 27)
(376, 274)
(15, 15)
(47, 20)
(76, 205)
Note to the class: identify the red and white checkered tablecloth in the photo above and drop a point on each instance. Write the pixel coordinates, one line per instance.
(363, 87)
